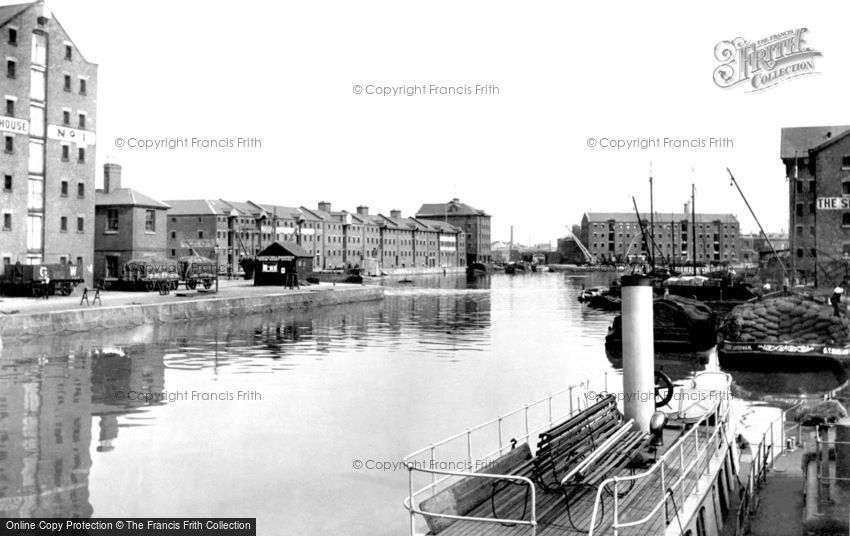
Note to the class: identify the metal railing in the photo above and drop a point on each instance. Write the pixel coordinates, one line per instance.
(671, 464)
(762, 461)
(822, 457)
(477, 446)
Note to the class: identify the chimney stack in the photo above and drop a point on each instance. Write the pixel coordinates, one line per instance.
(111, 177)
(363, 210)
(395, 214)
(324, 206)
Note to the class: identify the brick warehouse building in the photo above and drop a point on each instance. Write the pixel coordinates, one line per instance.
(475, 223)
(47, 128)
(226, 231)
(817, 165)
(128, 225)
(616, 237)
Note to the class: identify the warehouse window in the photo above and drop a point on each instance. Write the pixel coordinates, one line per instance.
(150, 221)
(10, 107)
(63, 224)
(66, 152)
(10, 68)
(799, 253)
(13, 36)
(67, 83)
(69, 52)
(799, 209)
(800, 230)
(845, 187)
(66, 117)
(81, 189)
(845, 161)
(63, 188)
(80, 224)
(81, 155)
(811, 208)
(7, 183)
(82, 86)
(39, 49)
(112, 219)
(82, 119)
(9, 144)
(173, 234)
(79, 261)
(812, 186)
(7, 222)
(845, 219)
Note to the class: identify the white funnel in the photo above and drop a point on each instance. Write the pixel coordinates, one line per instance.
(638, 351)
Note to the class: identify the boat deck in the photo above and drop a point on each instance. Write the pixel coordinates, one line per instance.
(634, 505)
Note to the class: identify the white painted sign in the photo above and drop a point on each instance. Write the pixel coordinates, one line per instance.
(73, 135)
(15, 126)
(285, 230)
(833, 203)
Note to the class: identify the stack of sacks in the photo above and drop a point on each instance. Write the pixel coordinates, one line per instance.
(792, 319)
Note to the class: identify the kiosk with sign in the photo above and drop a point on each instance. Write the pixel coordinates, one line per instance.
(282, 264)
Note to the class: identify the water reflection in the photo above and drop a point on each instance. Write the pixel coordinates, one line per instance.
(362, 381)
(61, 396)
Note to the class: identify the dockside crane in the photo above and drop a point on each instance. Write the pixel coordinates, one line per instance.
(587, 256)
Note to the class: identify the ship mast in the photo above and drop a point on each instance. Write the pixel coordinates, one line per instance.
(651, 217)
(694, 226)
(767, 238)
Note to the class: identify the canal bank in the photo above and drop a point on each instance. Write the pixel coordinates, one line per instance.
(28, 317)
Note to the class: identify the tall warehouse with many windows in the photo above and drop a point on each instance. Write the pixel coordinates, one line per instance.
(47, 126)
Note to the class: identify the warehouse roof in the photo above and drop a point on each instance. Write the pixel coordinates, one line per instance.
(796, 141)
(453, 207)
(198, 207)
(126, 197)
(660, 217)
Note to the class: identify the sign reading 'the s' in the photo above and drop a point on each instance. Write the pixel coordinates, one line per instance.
(833, 203)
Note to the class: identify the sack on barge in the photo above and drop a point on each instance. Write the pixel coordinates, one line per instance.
(786, 319)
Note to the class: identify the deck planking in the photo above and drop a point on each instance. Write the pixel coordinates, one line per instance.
(636, 504)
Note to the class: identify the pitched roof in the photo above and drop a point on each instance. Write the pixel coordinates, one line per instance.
(660, 217)
(245, 207)
(8, 13)
(442, 226)
(310, 214)
(796, 141)
(198, 207)
(281, 211)
(126, 197)
(293, 249)
(453, 207)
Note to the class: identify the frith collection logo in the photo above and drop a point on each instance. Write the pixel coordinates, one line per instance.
(766, 62)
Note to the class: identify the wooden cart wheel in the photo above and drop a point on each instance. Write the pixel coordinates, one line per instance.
(192, 283)
(207, 283)
(150, 285)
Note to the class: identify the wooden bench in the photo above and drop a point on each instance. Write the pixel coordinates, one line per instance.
(559, 451)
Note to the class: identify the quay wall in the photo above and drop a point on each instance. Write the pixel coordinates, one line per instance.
(39, 324)
(438, 270)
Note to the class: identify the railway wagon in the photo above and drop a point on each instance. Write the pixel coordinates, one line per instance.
(195, 270)
(145, 274)
(40, 279)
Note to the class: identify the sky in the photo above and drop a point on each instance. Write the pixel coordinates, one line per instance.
(284, 73)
